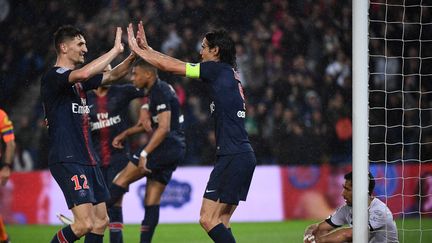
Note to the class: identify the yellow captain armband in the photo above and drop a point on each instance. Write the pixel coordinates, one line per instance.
(192, 70)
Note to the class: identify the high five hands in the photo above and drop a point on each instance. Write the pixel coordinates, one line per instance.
(139, 42)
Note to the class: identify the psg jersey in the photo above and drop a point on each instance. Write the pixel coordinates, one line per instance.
(227, 107)
(67, 114)
(162, 97)
(108, 118)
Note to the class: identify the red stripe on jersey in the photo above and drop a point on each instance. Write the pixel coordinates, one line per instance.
(85, 122)
(104, 141)
(61, 238)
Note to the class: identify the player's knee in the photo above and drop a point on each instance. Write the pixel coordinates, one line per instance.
(225, 219)
(206, 222)
(83, 227)
(101, 223)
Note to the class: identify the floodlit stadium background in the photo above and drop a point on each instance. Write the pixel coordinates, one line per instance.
(295, 61)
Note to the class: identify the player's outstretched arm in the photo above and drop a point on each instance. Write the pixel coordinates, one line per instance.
(98, 65)
(315, 230)
(119, 71)
(155, 58)
(337, 236)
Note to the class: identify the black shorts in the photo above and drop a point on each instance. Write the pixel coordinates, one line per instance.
(162, 162)
(231, 177)
(110, 172)
(80, 183)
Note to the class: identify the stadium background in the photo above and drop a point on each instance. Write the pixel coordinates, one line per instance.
(295, 61)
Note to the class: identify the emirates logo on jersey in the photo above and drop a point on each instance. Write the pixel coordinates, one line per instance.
(80, 109)
(105, 121)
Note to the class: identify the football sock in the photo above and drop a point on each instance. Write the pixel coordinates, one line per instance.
(3, 235)
(64, 235)
(148, 225)
(116, 192)
(116, 224)
(220, 234)
(93, 238)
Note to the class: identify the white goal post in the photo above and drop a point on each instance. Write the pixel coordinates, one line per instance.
(360, 120)
(392, 113)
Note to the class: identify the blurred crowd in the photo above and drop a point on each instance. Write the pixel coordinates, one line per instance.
(294, 58)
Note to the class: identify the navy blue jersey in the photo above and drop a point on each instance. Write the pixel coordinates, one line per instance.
(227, 107)
(162, 97)
(108, 118)
(67, 114)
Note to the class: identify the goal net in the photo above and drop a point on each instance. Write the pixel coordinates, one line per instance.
(400, 112)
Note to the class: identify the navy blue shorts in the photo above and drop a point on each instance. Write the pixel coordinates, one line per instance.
(110, 172)
(162, 161)
(231, 177)
(80, 183)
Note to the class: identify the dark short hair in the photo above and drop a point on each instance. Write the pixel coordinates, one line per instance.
(144, 64)
(227, 51)
(65, 32)
(349, 177)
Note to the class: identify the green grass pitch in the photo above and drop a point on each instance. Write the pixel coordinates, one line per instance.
(269, 232)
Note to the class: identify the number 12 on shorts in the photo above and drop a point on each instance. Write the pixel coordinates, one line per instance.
(76, 181)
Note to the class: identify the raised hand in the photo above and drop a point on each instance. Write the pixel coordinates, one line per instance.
(118, 45)
(141, 38)
(133, 45)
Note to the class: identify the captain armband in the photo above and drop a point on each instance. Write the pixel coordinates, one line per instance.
(192, 70)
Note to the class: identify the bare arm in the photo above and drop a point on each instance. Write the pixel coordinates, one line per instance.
(119, 71)
(9, 155)
(10, 152)
(155, 58)
(164, 119)
(98, 65)
(143, 124)
(337, 236)
(164, 123)
(317, 229)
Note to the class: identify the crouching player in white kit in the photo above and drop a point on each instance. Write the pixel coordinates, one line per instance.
(382, 227)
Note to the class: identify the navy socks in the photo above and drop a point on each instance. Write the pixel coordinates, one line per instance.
(64, 235)
(116, 224)
(93, 238)
(220, 234)
(149, 223)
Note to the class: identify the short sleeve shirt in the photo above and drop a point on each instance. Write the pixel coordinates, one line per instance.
(162, 97)
(382, 227)
(227, 107)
